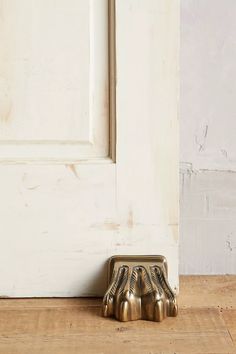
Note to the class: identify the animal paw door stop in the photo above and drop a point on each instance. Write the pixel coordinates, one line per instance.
(139, 289)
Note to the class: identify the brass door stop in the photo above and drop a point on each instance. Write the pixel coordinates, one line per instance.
(138, 289)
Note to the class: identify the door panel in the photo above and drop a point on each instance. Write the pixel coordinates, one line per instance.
(65, 210)
(54, 79)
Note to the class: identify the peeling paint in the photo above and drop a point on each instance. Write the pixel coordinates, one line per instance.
(130, 221)
(228, 244)
(224, 153)
(107, 225)
(33, 187)
(186, 168)
(73, 169)
(201, 141)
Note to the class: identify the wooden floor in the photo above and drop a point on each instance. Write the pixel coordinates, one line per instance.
(206, 324)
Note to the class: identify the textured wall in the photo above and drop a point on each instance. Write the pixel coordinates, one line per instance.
(208, 137)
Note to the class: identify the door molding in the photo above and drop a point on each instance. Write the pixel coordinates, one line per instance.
(101, 149)
(112, 77)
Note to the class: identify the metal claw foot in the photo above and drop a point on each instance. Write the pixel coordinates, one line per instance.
(138, 289)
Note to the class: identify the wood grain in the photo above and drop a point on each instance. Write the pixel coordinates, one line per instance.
(208, 291)
(72, 326)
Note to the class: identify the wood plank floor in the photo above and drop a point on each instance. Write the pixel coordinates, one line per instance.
(206, 324)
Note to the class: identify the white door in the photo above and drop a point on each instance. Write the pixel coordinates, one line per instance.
(87, 170)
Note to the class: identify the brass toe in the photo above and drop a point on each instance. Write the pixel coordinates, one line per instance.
(139, 289)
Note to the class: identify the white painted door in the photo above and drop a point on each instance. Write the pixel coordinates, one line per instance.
(82, 178)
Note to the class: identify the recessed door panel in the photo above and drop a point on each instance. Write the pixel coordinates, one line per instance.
(54, 80)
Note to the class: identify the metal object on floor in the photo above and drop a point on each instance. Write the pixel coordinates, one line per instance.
(138, 289)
